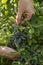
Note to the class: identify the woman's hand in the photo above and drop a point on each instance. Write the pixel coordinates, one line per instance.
(27, 7)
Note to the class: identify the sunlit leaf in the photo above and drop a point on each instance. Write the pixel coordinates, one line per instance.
(4, 1)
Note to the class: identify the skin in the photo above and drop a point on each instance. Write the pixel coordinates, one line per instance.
(27, 7)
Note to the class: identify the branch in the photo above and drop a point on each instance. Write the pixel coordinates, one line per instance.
(9, 53)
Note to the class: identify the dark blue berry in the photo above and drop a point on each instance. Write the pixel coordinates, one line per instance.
(19, 40)
(16, 33)
(22, 37)
(22, 46)
(15, 40)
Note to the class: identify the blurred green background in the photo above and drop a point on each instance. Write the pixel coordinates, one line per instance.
(27, 39)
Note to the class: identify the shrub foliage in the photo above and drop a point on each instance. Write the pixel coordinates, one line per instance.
(27, 39)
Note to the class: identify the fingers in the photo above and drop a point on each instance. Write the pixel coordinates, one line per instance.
(27, 7)
(19, 20)
(18, 17)
(28, 16)
(20, 12)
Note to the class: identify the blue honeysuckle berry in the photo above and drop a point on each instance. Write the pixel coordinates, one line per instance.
(23, 34)
(16, 33)
(15, 40)
(22, 37)
(19, 40)
(22, 46)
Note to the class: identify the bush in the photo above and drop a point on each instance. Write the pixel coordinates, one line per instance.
(27, 39)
